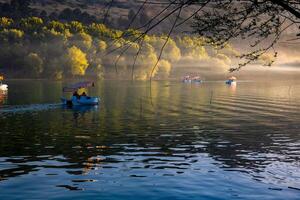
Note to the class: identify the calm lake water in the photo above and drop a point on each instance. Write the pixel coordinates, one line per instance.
(179, 141)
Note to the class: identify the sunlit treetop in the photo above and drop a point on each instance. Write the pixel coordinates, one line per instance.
(5, 22)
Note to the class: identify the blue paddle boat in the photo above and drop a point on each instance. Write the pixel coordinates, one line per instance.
(78, 100)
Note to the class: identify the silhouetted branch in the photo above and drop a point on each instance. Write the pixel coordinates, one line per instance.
(167, 40)
(220, 21)
(108, 5)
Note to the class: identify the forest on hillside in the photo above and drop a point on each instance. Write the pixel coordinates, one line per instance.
(33, 48)
(74, 43)
(85, 11)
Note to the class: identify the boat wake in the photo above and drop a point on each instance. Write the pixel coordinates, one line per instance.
(28, 108)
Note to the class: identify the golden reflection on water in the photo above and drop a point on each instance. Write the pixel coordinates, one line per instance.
(3, 97)
(233, 88)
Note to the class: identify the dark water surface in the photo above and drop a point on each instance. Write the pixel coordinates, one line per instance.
(182, 141)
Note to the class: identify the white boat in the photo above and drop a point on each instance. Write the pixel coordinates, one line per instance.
(231, 81)
(78, 100)
(3, 87)
(187, 81)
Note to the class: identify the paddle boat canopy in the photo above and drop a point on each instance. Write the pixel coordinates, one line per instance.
(3, 87)
(231, 80)
(76, 99)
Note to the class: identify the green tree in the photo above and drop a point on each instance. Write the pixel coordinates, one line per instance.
(163, 69)
(95, 68)
(53, 68)
(31, 24)
(144, 63)
(75, 27)
(192, 47)
(99, 31)
(5, 22)
(101, 46)
(57, 26)
(11, 35)
(33, 65)
(82, 40)
(52, 34)
(171, 51)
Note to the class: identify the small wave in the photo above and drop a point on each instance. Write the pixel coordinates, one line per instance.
(28, 108)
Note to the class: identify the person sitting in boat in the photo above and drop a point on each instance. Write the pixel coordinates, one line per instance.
(75, 94)
(84, 95)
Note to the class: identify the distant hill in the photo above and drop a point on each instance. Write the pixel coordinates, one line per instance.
(88, 11)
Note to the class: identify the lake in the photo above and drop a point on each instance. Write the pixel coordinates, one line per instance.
(171, 141)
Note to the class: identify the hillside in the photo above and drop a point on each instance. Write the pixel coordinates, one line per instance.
(35, 48)
(88, 11)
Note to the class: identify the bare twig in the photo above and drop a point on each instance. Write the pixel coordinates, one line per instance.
(166, 41)
(109, 5)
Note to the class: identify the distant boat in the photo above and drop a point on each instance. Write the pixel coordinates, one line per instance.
(231, 81)
(3, 87)
(190, 79)
(79, 100)
(186, 79)
(196, 79)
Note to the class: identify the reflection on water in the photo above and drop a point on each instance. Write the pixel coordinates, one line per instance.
(28, 108)
(3, 97)
(186, 141)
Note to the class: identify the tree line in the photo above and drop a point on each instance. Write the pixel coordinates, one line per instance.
(33, 48)
(17, 9)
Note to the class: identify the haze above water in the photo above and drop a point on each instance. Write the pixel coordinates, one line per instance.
(179, 141)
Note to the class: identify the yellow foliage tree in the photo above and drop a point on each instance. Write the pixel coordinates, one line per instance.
(32, 24)
(100, 30)
(101, 46)
(163, 69)
(171, 52)
(82, 40)
(145, 62)
(57, 26)
(76, 62)
(192, 47)
(5, 22)
(75, 27)
(11, 35)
